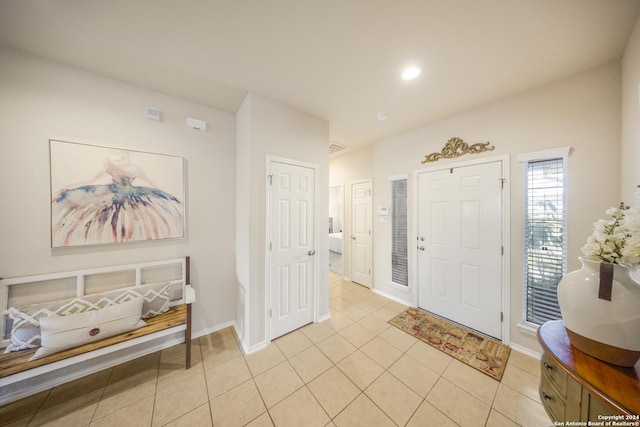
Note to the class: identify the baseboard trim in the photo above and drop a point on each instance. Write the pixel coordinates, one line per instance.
(324, 317)
(525, 351)
(216, 328)
(393, 297)
(254, 348)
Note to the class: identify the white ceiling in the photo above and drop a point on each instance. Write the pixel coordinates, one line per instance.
(338, 60)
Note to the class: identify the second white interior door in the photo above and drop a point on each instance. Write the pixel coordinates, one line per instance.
(361, 228)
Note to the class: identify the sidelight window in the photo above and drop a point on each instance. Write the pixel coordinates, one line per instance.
(545, 233)
(399, 246)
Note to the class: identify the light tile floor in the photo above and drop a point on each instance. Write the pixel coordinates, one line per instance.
(351, 370)
(335, 262)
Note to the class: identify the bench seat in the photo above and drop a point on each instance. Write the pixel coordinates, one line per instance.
(176, 319)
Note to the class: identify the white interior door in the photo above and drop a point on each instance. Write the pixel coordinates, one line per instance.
(460, 245)
(361, 227)
(292, 265)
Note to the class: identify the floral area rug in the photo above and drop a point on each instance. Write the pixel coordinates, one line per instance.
(474, 349)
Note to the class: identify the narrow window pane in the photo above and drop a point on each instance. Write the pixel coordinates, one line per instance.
(545, 238)
(399, 265)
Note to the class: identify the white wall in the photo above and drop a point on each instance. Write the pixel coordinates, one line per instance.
(268, 128)
(630, 159)
(582, 112)
(41, 100)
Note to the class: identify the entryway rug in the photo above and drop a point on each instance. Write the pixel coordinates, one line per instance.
(474, 349)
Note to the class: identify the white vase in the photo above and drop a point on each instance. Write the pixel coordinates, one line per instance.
(606, 330)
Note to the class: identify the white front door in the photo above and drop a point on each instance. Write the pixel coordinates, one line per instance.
(361, 239)
(460, 245)
(292, 265)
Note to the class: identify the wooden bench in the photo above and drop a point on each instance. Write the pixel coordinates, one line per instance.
(16, 366)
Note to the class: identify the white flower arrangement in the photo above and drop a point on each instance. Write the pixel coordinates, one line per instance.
(616, 240)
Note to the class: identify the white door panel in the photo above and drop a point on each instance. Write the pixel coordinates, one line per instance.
(460, 233)
(292, 246)
(361, 228)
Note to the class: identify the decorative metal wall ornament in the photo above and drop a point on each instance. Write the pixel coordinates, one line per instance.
(456, 147)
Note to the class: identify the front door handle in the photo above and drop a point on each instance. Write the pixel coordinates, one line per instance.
(311, 253)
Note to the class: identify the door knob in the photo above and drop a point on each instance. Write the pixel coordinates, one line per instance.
(353, 237)
(421, 248)
(311, 253)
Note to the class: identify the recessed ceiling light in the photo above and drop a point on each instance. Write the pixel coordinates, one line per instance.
(382, 115)
(410, 73)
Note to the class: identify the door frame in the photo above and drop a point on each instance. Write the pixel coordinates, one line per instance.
(267, 252)
(351, 184)
(506, 232)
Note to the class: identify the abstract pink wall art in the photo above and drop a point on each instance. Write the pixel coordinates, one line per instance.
(106, 195)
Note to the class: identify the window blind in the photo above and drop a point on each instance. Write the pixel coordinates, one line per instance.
(399, 250)
(545, 238)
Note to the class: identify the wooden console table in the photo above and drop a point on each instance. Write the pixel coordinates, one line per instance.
(577, 387)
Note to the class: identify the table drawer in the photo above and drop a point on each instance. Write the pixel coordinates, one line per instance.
(553, 402)
(554, 374)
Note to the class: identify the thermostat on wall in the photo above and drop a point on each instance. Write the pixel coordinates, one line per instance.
(383, 210)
